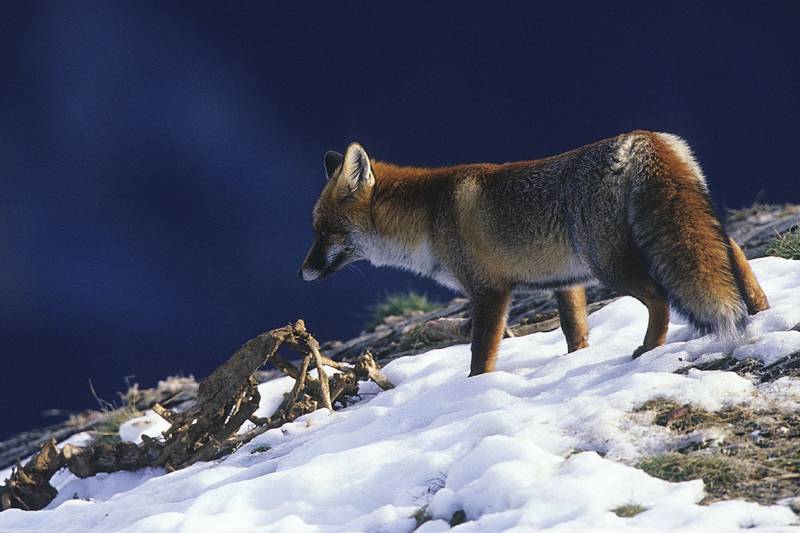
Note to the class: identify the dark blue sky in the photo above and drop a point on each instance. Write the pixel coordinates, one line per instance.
(159, 161)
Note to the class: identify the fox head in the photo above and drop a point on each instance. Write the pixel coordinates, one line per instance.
(341, 215)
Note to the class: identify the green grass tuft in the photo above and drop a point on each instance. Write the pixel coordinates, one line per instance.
(629, 510)
(786, 245)
(399, 304)
(719, 473)
(107, 431)
(458, 518)
(435, 484)
(421, 516)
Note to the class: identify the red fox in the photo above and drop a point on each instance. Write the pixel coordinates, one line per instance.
(632, 212)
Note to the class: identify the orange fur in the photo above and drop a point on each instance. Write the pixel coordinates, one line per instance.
(571, 304)
(753, 294)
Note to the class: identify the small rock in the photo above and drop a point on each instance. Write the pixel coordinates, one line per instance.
(392, 320)
(444, 329)
(459, 517)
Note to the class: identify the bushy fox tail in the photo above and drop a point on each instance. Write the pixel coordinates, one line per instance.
(687, 251)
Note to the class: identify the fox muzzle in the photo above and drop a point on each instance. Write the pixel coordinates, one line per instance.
(322, 261)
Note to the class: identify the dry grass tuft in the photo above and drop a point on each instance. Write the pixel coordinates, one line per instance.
(399, 305)
(629, 510)
(719, 473)
(758, 459)
(786, 245)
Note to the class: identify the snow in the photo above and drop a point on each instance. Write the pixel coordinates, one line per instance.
(149, 424)
(545, 443)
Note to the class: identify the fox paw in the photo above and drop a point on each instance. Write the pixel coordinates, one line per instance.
(639, 351)
(579, 346)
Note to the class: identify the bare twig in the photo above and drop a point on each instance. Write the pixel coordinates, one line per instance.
(367, 368)
(163, 412)
(325, 392)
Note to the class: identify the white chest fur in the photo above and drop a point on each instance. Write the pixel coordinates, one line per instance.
(418, 259)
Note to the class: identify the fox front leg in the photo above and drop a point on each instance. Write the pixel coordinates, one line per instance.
(489, 312)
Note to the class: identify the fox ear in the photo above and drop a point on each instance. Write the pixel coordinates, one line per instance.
(356, 174)
(332, 162)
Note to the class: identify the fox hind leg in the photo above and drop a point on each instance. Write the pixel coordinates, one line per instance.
(571, 304)
(657, 322)
(629, 276)
(647, 291)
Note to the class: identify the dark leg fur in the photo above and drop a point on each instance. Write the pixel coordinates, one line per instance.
(490, 310)
(571, 305)
(629, 276)
(658, 320)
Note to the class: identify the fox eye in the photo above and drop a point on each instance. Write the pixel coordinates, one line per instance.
(330, 233)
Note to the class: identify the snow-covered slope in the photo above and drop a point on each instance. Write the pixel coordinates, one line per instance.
(541, 444)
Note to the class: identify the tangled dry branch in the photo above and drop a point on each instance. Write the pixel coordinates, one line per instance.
(209, 429)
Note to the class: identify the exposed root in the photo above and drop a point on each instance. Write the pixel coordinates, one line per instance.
(209, 428)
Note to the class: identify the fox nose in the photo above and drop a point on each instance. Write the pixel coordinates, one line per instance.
(300, 272)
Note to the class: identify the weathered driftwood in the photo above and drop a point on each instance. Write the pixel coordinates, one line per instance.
(459, 329)
(29, 486)
(27, 443)
(174, 390)
(209, 429)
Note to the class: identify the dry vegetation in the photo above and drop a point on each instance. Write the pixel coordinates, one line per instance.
(398, 306)
(629, 510)
(786, 245)
(758, 459)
